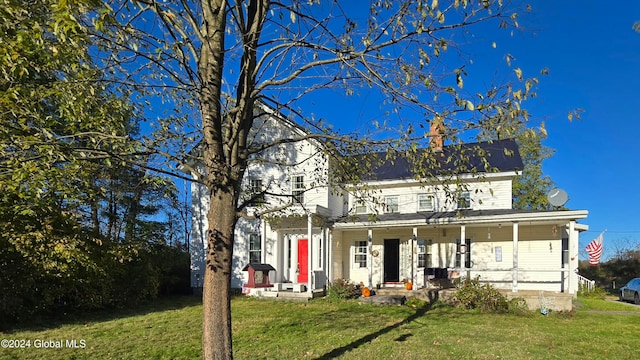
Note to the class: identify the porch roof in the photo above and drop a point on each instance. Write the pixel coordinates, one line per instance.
(458, 218)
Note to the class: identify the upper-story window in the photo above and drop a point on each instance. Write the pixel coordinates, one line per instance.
(426, 202)
(391, 204)
(464, 200)
(255, 192)
(361, 207)
(297, 188)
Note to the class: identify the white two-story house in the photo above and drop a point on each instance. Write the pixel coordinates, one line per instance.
(404, 230)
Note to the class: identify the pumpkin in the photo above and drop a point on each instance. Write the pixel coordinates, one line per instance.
(366, 292)
(408, 286)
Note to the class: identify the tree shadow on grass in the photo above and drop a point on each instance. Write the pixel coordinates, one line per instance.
(368, 338)
(69, 317)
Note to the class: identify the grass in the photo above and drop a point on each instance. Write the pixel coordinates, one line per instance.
(171, 329)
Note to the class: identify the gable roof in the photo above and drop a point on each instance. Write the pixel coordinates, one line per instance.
(500, 155)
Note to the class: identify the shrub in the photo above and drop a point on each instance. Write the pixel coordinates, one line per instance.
(341, 289)
(471, 294)
(595, 293)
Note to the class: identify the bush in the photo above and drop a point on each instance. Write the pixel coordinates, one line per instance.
(595, 293)
(471, 294)
(342, 289)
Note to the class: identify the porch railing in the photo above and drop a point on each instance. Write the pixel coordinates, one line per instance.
(583, 282)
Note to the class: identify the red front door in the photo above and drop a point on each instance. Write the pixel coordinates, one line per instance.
(303, 257)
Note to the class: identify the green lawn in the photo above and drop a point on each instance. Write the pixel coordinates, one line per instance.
(170, 329)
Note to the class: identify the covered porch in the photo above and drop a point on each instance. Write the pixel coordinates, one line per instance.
(296, 245)
(510, 249)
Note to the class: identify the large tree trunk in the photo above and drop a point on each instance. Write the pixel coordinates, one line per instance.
(216, 336)
(216, 296)
(225, 159)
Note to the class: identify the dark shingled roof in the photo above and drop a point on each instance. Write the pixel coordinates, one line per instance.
(501, 155)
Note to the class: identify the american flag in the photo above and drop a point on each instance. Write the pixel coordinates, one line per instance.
(594, 249)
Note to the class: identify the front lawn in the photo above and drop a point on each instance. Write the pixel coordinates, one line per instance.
(171, 329)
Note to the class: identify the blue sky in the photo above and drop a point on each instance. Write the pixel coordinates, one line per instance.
(593, 57)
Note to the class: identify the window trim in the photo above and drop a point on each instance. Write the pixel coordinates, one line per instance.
(358, 245)
(255, 190)
(425, 251)
(386, 204)
(298, 188)
(463, 195)
(252, 250)
(433, 201)
(360, 204)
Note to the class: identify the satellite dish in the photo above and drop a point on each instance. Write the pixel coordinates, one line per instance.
(557, 197)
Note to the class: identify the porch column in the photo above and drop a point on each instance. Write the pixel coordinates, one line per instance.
(329, 255)
(369, 257)
(323, 254)
(279, 263)
(414, 258)
(572, 286)
(263, 241)
(309, 253)
(293, 256)
(463, 250)
(514, 274)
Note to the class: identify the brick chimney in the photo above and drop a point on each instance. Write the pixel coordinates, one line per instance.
(436, 130)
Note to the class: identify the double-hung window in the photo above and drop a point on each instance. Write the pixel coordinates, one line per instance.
(464, 200)
(426, 202)
(360, 254)
(422, 249)
(255, 192)
(255, 248)
(361, 207)
(424, 253)
(297, 188)
(391, 204)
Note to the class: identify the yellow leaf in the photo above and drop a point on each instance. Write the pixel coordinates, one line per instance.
(518, 73)
(434, 4)
(543, 130)
(470, 105)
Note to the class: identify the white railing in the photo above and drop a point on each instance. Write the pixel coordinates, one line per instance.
(584, 282)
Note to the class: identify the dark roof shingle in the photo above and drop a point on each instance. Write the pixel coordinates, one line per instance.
(482, 157)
